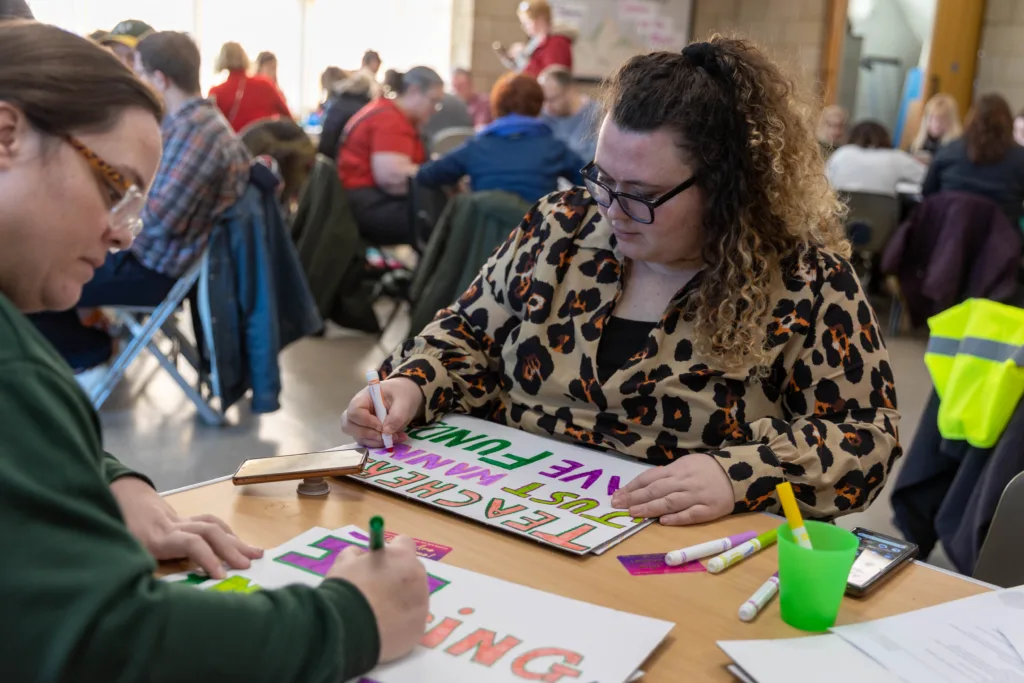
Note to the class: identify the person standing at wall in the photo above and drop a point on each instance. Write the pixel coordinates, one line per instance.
(546, 47)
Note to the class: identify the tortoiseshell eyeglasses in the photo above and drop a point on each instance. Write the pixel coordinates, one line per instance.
(125, 198)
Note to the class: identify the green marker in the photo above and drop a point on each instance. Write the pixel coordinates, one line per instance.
(376, 533)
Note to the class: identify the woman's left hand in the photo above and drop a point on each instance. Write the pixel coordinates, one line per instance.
(205, 540)
(691, 490)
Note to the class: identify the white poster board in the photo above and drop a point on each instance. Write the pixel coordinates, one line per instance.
(609, 32)
(545, 490)
(479, 629)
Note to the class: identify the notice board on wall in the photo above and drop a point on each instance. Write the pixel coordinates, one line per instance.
(609, 32)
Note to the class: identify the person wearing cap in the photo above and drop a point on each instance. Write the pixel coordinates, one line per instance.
(124, 38)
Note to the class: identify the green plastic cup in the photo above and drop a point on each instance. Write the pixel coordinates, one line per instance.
(812, 582)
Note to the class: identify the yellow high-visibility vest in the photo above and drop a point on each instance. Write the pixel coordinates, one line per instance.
(976, 358)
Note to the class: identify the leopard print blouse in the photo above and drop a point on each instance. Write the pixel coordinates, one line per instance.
(520, 347)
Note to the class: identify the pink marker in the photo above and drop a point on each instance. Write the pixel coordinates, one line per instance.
(696, 552)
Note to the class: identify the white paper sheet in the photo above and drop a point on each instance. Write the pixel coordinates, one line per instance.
(1014, 632)
(480, 629)
(805, 660)
(545, 490)
(956, 642)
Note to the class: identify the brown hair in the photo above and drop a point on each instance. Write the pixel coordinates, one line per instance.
(536, 9)
(989, 131)
(64, 83)
(870, 135)
(173, 54)
(747, 130)
(265, 58)
(232, 57)
(517, 94)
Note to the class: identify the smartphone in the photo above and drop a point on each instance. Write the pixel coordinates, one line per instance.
(301, 466)
(878, 558)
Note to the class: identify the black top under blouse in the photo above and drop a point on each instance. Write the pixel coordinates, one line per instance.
(621, 340)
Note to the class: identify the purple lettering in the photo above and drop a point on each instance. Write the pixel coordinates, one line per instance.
(613, 484)
(485, 477)
(559, 470)
(461, 468)
(402, 480)
(431, 461)
(591, 477)
(332, 547)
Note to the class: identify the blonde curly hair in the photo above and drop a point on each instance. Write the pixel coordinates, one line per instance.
(749, 131)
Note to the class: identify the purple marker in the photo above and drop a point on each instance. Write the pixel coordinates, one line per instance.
(696, 552)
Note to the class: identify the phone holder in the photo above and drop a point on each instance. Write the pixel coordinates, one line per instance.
(314, 486)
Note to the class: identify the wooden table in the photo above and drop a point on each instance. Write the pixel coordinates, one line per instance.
(702, 606)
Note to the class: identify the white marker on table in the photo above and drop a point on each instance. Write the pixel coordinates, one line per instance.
(373, 379)
(760, 598)
(697, 552)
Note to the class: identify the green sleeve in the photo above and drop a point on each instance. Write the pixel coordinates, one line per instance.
(78, 600)
(114, 469)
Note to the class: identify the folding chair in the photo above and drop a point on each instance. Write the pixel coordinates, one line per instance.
(141, 324)
(1001, 560)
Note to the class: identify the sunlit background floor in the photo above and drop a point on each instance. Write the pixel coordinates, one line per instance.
(151, 426)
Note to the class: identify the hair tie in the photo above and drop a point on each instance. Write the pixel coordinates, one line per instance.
(705, 56)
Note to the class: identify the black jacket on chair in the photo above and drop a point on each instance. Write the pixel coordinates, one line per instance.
(955, 246)
(948, 490)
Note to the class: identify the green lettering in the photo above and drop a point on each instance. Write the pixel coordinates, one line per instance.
(455, 438)
(429, 430)
(606, 519)
(517, 461)
(557, 498)
(499, 445)
(524, 491)
(578, 507)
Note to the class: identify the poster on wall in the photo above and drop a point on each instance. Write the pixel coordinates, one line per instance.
(609, 32)
(541, 489)
(479, 628)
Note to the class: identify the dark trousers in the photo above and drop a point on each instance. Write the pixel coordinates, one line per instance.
(383, 219)
(121, 281)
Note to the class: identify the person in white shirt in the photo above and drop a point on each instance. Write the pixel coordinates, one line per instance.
(868, 163)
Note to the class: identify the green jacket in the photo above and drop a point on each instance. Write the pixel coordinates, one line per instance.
(470, 229)
(332, 253)
(78, 599)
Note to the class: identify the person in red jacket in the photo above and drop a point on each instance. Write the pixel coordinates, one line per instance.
(243, 98)
(546, 48)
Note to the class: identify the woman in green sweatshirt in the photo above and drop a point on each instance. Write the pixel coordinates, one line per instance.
(79, 144)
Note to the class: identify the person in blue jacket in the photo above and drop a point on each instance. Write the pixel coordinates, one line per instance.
(517, 153)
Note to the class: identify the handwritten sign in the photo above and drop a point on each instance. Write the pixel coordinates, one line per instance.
(479, 628)
(545, 490)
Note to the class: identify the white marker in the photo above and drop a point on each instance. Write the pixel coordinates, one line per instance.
(696, 552)
(760, 598)
(741, 552)
(373, 379)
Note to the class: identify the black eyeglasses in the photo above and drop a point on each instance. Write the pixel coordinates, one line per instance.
(639, 209)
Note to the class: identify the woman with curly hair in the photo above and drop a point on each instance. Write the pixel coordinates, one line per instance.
(692, 307)
(986, 161)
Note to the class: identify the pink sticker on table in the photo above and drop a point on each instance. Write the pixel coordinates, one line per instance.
(643, 565)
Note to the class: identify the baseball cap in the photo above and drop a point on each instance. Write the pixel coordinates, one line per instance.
(128, 33)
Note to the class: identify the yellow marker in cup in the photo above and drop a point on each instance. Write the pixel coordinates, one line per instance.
(793, 516)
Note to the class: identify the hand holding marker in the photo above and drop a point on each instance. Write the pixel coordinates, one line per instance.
(373, 380)
(741, 552)
(792, 510)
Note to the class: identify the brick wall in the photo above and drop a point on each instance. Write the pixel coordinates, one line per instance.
(1001, 57)
(793, 31)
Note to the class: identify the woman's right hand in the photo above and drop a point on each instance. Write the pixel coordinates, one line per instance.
(404, 402)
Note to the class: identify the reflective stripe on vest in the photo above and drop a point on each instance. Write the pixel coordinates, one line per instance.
(976, 359)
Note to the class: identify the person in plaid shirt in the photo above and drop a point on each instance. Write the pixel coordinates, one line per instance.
(203, 172)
